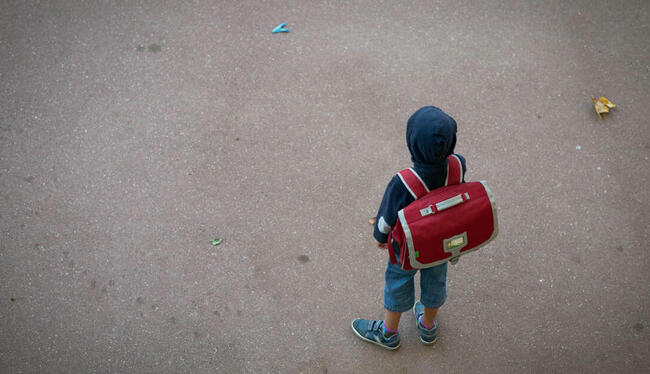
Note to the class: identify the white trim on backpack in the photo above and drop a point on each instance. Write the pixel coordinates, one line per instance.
(462, 171)
(420, 179)
(407, 236)
(447, 174)
(407, 186)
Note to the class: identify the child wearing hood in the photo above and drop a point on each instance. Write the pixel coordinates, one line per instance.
(430, 137)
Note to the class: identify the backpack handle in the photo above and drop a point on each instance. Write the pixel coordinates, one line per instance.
(452, 202)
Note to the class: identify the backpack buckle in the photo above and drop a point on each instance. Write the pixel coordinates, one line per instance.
(426, 211)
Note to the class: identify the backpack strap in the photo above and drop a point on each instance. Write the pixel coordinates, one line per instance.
(414, 184)
(391, 253)
(454, 171)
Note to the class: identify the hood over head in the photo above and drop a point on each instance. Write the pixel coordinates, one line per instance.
(430, 136)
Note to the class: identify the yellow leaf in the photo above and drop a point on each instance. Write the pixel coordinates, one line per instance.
(608, 103)
(602, 105)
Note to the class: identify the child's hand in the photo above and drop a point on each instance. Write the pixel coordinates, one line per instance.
(382, 245)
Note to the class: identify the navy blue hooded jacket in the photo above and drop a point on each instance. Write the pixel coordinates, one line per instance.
(430, 137)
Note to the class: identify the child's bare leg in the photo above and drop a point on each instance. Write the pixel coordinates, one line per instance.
(391, 319)
(429, 315)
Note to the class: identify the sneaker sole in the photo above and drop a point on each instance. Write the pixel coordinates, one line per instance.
(429, 343)
(373, 341)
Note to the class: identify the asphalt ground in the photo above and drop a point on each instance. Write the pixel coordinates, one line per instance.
(133, 133)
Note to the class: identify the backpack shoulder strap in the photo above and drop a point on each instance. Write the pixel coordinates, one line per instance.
(454, 171)
(414, 184)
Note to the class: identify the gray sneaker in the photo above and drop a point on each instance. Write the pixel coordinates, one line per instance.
(427, 337)
(372, 331)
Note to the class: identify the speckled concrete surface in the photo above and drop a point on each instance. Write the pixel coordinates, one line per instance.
(132, 133)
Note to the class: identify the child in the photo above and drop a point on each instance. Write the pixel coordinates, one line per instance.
(430, 137)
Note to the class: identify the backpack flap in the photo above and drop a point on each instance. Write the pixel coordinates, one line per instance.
(448, 222)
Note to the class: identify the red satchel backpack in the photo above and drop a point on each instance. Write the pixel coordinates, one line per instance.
(443, 224)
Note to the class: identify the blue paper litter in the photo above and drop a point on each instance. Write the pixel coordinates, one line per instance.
(280, 28)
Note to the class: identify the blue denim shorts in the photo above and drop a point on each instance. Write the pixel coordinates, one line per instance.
(399, 289)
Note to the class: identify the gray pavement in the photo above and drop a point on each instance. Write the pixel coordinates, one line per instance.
(133, 133)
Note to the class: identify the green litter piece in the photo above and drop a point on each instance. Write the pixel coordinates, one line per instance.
(216, 241)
